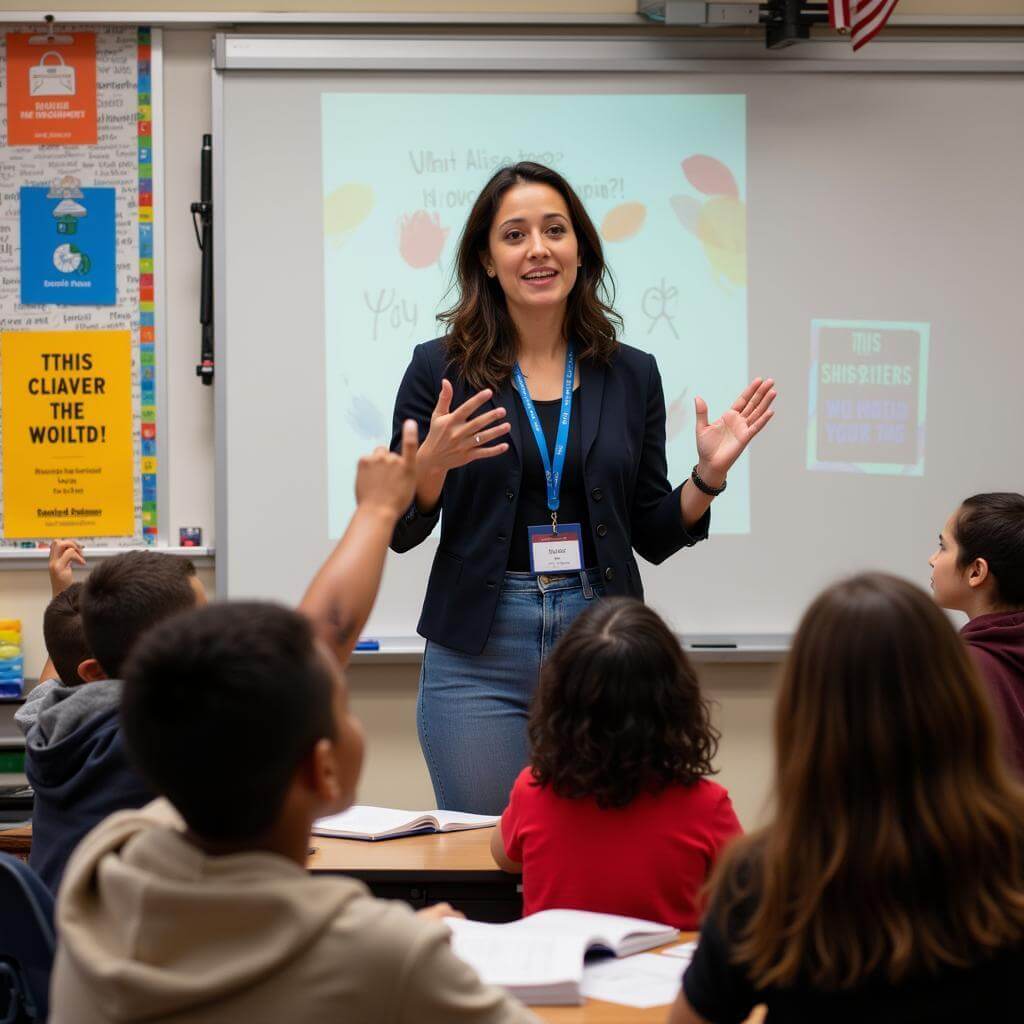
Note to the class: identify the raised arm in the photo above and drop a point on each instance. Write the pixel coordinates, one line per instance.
(341, 596)
(63, 554)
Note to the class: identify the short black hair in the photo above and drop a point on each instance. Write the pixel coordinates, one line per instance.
(619, 710)
(125, 595)
(220, 706)
(991, 526)
(64, 635)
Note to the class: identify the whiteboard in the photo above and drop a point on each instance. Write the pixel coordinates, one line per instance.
(881, 209)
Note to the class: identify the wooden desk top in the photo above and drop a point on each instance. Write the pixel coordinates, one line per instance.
(16, 840)
(447, 852)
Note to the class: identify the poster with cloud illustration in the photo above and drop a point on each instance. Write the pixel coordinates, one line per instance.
(663, 177)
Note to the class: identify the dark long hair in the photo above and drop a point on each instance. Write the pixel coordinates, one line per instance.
(897, 845)
(991, 526)
(481, 335)
(619, 710)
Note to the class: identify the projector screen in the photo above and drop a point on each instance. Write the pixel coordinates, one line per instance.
(855, 236)
(665, 189)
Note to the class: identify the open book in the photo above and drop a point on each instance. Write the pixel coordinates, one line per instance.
(362, 822)
(540, 958)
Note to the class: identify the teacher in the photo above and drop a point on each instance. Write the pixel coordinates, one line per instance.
(543, 453)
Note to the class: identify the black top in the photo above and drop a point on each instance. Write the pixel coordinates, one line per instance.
(721, 993)
(532, 509)
(632, 504)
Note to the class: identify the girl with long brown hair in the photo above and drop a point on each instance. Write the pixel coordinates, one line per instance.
(889, 885)
(543, 444)
(617, 812)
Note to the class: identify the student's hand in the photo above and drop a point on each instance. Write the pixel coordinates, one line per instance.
(387, 481)
(438, 912)
(63, 554)
(721, 443)
(454, 439)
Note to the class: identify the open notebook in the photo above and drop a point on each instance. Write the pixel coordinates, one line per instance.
(363, 822)
(540, 958)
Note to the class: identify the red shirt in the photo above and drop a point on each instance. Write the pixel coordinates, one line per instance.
(648, 859)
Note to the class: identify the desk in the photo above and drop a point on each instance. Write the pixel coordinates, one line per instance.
(453, 867)
(16, 841)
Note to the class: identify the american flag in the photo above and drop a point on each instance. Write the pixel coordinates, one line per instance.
(863, 19)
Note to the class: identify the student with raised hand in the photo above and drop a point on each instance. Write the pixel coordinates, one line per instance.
(889, 886)
(616, 812)
(199, 907)
(74, 754)
(978, 569)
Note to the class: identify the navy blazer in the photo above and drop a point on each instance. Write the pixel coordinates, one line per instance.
(632, 505)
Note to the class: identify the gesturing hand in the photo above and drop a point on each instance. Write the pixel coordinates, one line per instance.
(721, 443)
(63, 553)
(454, 439)
(387, 481)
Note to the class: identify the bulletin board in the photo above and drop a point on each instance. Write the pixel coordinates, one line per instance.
(81, 286)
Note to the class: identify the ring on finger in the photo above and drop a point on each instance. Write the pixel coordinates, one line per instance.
(476, 438)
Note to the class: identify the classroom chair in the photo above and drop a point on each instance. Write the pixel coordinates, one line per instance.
(27, 943)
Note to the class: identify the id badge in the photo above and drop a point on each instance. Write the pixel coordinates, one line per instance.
(556, 552)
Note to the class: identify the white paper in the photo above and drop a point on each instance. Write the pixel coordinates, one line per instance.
(367, 820)
(508, 959)
(643, 981)
(684, 951)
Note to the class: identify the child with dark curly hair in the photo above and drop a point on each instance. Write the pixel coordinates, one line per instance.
(616, 812)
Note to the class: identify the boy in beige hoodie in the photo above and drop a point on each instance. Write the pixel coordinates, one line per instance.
(198, 907)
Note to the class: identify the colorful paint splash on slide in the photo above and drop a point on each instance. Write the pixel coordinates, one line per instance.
(421, 239)
(623, 221)
(719, 221)
(345, 209)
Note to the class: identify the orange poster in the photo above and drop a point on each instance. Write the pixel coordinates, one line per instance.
(51, 89)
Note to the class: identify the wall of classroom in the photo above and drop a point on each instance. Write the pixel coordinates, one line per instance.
(974, 8)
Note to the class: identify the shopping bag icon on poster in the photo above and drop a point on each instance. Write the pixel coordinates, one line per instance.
(48, 79)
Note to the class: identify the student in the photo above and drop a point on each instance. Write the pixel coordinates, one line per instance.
(74, 755)
(615, 812)
(199, 907)
(66, 649)
(978, 569)
(889, 887)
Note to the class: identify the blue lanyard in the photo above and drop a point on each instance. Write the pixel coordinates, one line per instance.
(552, 472)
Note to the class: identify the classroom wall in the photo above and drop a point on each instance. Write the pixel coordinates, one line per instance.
(972, 8)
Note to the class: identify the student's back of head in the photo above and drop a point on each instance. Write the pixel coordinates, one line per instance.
(991, 527)
(619, 710)
(897, 845)
(64, 634)
(221, 706)
(127, 594)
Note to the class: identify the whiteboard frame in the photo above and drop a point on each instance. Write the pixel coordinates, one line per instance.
(552, 54)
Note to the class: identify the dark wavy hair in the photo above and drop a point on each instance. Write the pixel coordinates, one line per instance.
(481, 336)
(897, 844)
(991, 526)
(618, 710)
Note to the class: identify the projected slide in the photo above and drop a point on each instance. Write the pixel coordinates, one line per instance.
(662, 176)
(868, 384)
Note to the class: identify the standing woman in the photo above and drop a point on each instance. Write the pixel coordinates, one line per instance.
(543, 443)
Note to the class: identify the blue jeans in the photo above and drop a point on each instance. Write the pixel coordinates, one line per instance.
(472, 709)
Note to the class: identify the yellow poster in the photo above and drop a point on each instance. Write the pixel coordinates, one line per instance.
(67, 434)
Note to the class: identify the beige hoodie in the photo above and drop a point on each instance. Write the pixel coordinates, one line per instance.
(153, 929)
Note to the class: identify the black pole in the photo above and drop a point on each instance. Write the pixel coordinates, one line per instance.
(204, 208)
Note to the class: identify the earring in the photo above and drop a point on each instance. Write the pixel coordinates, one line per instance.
(490, 273)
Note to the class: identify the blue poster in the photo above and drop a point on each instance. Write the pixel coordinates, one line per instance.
(68, 245)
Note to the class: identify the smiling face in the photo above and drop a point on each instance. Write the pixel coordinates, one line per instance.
(532, 248)
(950, 584)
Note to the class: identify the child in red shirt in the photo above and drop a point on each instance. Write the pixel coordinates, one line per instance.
(615, 812)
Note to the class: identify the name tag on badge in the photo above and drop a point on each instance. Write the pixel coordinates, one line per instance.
(556, 552)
